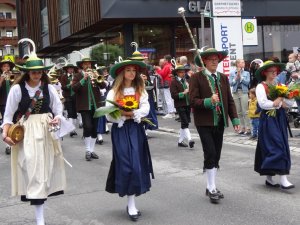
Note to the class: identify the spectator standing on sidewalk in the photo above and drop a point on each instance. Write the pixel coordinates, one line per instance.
(166, 75)
(180, 93)
(212, 102)
(254, 113)
(239, 80)
(272, 155)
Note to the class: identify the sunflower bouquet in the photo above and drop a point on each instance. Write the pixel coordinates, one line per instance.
(128, 103)
(279, 90)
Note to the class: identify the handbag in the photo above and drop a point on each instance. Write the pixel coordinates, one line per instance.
(16, 131)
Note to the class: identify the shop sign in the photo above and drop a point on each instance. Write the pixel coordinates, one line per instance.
(195, 6)
(228, 37)
(147, 49)
(249, 27)
(226, 7)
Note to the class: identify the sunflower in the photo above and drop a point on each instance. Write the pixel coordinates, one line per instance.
(129, 102)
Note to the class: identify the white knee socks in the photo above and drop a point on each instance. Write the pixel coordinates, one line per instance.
(181, 135)
(187, 134)
(92, 144)
(211, 177)
(270, 180)
(39, 214)
(131, 205)
(284, 181)
(87, 143)
(99, 137)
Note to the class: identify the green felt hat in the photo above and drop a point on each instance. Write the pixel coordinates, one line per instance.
(69, 65)
(86, 59)
(208, 52)
(118, 67)
(267, 64)
(4, 61)
(180, 67)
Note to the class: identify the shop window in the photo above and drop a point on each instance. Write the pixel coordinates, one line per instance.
(8, 15)
(63, 9)
(9, 33)
(2, 15)
(44, 16)
(1, 52)
(154, 40)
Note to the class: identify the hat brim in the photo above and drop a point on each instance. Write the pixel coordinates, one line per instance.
(137, 58)
(34, 68)
(258, 73)
(117, 67)
(66, 67)
(93, 62)
(221, 55)
(174, 71)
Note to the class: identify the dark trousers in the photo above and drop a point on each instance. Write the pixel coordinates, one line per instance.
(89, 123)
(212, 141)
(70, 106)
(2, 109)
(184, 113)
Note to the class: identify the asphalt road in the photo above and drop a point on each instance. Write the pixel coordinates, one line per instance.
(177, 194)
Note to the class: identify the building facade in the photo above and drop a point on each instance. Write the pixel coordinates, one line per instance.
(8, 27)
(61, 26)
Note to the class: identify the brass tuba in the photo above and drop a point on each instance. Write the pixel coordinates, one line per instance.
(95, 76)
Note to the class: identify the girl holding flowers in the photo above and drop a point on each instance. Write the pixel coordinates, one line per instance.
(131, 164)
(272, 153)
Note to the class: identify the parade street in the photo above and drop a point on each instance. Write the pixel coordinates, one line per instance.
(177, 196)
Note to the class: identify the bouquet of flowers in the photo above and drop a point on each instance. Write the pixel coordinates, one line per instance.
(128, 103)
(279, 90)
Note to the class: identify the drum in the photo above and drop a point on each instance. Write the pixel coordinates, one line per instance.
(16, 132)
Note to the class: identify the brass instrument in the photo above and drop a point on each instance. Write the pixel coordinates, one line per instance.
(95, 76)
(8, 75)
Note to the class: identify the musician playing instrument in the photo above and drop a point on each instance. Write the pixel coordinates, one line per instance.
(69, 94)
(87, 88)
(5, 84)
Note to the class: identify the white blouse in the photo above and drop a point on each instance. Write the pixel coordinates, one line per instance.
(267, 104)
(15, 95)
(138, 114)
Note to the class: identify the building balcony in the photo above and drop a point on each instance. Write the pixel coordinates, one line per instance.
(9, 41)
(8, 23)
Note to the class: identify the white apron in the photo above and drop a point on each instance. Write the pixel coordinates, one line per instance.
(37, 164)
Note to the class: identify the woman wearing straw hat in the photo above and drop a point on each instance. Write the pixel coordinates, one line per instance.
(272, 155)
(37, 161)
(6, 67)
(213, 104)
(131, 165)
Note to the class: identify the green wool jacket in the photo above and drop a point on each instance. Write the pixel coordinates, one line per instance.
(205, 113)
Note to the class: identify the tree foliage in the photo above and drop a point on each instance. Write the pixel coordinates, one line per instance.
(113, 50)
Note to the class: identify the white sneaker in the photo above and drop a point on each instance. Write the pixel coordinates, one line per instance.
(168, 116)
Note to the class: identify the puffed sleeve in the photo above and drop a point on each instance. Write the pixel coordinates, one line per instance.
(144, 108)
(13, 100)
(110, 96)
(262, 99)
(55, 102)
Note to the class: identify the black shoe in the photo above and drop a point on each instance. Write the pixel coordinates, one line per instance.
(287, 187)
(73, 133)
(80, 126)
(88, 156)
(133, 217)
(272, 185)
(7, 150)
(191, 143)
(94, 155)
(107, 132)
(182, 144)
(221, 196)
(214, 196)
(99, 142)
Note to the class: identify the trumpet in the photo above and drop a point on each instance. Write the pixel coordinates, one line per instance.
(8, 75)
(95, 76)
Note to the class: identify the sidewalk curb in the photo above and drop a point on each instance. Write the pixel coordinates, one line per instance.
(231, 139)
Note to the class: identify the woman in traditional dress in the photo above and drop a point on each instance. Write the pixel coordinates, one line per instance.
(131, 164)
(272, 155)
(37, 161)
